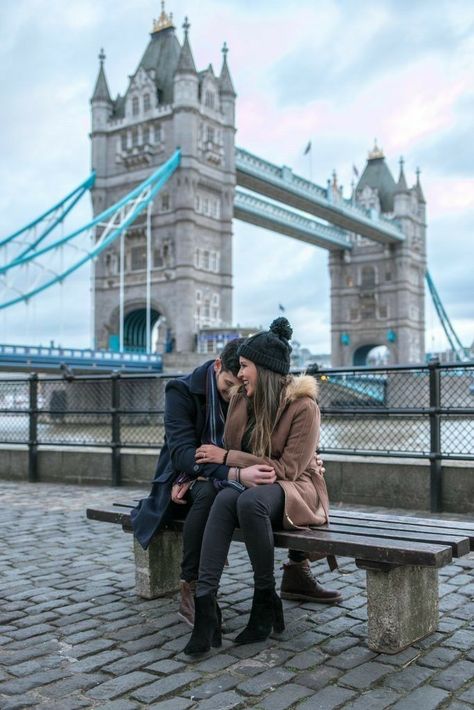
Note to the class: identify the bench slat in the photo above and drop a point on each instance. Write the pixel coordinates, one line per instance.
(331, 543)
(438, 522)
(459, 543)
(408, 527)
(365, 548)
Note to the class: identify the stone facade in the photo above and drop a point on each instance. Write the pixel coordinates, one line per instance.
(377, 291)
(168, 104)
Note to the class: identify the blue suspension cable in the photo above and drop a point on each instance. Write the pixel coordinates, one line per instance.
(82, 188)
(453, 339)
(155, 182)
(100, 218)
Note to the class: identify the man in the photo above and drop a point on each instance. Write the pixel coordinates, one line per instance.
(195, 411)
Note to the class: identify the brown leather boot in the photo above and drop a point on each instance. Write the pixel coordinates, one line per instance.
(298, 583)
(186, 604)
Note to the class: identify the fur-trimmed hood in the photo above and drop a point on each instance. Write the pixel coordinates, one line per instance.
(301, 386)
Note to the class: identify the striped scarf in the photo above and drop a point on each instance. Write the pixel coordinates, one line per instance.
(215, 420)
(213, 432)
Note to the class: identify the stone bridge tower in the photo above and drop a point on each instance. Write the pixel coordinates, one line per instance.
(167, 104)
(377, 291)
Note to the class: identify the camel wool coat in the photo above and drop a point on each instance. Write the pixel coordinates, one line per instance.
(294, 442)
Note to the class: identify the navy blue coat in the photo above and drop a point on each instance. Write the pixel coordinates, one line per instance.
(185, 419)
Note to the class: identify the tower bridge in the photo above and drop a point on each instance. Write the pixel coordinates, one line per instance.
(162, 238)
(376, 240)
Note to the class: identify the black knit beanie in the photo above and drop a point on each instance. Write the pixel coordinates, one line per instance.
(270, 348)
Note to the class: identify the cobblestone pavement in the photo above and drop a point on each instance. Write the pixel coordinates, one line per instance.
(74, 635)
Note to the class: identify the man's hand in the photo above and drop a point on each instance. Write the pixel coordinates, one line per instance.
(208, 453)
(257, 475)
(178, 492)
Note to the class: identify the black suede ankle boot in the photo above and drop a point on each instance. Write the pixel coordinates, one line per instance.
(207, 626)
(266, 613)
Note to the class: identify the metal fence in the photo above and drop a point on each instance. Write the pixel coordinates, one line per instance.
(418, 412)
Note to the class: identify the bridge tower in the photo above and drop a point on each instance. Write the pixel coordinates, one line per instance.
(168, 104)
(377, 291)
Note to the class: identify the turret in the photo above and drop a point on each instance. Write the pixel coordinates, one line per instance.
(227, 98)
(101, 110)
(101, 101)
(226, 89)
(186, 80)
(401, 195)
(420, 197)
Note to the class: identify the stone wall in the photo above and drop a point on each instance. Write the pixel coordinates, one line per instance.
(382, 482)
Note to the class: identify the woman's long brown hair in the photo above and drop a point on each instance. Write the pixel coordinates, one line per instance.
(269, 390)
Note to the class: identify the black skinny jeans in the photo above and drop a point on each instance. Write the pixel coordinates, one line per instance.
(255, 511)
(200, 498)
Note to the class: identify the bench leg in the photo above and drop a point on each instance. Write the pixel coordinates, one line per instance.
(402, 606)
(157, 570)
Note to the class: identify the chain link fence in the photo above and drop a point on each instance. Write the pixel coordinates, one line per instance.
(420, 412)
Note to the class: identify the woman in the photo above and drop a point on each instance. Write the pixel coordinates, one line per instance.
(271, 435)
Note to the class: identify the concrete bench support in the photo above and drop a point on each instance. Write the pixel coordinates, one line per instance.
(402, 606)
(157, 570)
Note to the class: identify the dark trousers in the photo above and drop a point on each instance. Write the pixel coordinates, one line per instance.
(256, 511)
(200, 498)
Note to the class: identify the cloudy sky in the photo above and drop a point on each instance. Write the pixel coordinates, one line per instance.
(336, 72)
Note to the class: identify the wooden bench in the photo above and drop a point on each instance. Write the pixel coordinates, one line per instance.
(401, 556)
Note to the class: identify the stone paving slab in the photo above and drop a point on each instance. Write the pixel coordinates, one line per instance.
(74, 635)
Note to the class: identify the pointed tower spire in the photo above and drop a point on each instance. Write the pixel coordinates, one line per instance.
(186, 62)
(402, 183)
(101, 91)
(225, 81)
(419, 191)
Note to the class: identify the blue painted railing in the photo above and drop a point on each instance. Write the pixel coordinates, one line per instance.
(83, 358)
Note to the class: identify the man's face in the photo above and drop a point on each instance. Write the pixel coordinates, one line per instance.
(225, 380)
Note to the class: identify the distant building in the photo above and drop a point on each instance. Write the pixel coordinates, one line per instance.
(213, 340)
(302, 358)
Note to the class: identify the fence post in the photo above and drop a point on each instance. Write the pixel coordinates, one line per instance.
(436, 474)
(115, 412)
(33, 428)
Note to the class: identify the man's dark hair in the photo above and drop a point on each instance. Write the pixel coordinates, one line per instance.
(229, 357)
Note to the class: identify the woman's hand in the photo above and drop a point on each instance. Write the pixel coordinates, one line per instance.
(208, 453)
(320, 465)
(178, 491)
(257, 475)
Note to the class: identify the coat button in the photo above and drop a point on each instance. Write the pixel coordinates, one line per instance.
(196, 467)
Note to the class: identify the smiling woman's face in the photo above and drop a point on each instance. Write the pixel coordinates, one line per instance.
(248, 376)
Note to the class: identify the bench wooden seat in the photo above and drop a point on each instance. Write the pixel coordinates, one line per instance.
(401, 556)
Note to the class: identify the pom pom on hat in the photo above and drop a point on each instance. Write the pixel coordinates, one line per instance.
(281, 327)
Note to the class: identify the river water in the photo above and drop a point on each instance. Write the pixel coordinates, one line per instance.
(377, 434)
